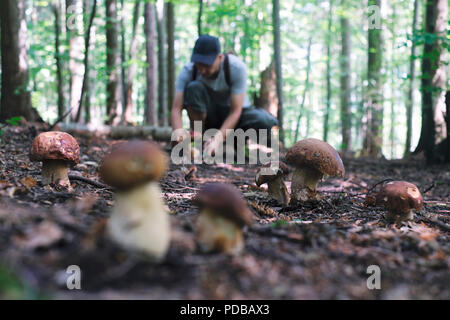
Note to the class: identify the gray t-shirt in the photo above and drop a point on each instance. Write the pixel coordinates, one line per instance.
(238, 79)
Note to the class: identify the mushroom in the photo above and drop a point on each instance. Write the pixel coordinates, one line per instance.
(57, 151)
(139, 220)
(399, 198)
(223, 215)
(275, 183)
(312, 159)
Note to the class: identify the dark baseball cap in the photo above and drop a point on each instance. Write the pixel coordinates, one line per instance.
(206, 49)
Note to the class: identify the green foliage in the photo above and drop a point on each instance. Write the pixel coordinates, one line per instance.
(13, 288)
(14, 121)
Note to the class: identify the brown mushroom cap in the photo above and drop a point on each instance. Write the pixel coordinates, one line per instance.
(283, 170)
(55, 145)
(400, 196)
(317, 154)
(133, 163)
(225, 200)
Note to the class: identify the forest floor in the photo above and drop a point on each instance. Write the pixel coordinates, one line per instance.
(318, 250)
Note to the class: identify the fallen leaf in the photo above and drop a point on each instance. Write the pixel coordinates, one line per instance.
(43, 235)
(28, 182)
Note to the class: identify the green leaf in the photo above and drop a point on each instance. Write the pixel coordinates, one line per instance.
(14, 121)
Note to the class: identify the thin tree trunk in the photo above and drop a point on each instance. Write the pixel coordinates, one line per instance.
(87, 39)
(162, 90)
(278, 63)
(170, 53)
(328, 74)
(114, 85)
(59, 71)
(129, 107)
(345, 85)
(393, 89)
(74, 29)
(374, 138)
(150, 41)
(123, 57)
(412, 76)
(199, 17)
(305, 90)
(447, 118)
(15, 96)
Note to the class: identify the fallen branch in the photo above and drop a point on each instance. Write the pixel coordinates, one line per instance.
(60, 119)
(437, 223)
(89, 181)
(123, 132)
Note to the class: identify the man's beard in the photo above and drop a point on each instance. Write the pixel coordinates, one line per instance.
(214, 75)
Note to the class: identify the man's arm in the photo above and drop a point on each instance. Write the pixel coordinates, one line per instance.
(177, 108)
(237, 101)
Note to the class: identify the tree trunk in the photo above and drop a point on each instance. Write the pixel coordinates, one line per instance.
(74, 29)
(393, 89)
(447, 118)
(59, 67)
(87, 39)
(15, 100)
(328, 74)
(374, 140)
(129, 106)
(150, 44)
(345, 85)
(170, 53)
(123, 58)
(277, 59)
(305, 90)
(199, 17)
(119, 131)
(412, 76)
(162, 90)
(114, 85)
(433, 80)
(267, 98)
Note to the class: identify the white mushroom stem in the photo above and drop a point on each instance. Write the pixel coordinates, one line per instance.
(55, 171)
(216, 233)
(277, 190)
(304, 183)
(140, 222)
(397, 218)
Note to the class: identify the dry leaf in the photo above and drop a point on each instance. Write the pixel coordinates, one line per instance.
(43, 235)
(28, 182)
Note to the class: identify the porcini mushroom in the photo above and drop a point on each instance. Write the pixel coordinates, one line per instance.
(139, 220)
(275, 183)
(399, 198)
(57, 151)
(223, 215)
(312, 159)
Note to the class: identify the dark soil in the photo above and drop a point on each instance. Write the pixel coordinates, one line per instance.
(318, 250)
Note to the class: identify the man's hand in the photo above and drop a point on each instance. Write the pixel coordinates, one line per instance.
(210, 147)
(178, 136)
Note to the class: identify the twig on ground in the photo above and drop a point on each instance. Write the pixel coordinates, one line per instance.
(437, 222)
(89, 181)
(60, 119)
(429, 188)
